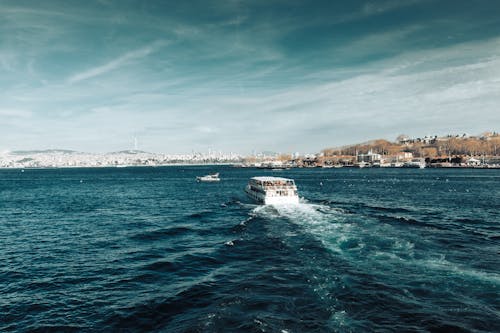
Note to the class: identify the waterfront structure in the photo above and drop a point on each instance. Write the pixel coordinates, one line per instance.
(369, 157)
(415, 163)
(473, 162)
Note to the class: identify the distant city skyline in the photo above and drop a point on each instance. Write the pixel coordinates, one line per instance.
(243, 76)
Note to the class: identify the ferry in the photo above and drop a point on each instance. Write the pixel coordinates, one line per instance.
(272, 190)
(208, 178)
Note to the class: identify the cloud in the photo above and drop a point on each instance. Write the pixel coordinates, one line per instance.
(119, 62)
(7, 62)
(14, 113)
(376, 43)
(380, 7)
(206, 129)
(377, 8)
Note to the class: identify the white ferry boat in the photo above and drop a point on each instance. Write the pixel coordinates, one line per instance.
(209, 178)
(272, 190)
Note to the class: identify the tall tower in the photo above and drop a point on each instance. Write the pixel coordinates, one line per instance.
(135, 143)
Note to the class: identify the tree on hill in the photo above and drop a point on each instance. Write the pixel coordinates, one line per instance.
(402, 138)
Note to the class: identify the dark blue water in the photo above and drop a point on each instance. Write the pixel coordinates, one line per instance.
(138, 249)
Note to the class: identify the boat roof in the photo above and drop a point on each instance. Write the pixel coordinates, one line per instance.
(270, 178)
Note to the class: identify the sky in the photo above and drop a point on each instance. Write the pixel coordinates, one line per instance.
(244, 76)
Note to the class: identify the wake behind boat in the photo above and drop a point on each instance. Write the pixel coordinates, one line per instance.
(208, 178)
(272, 190)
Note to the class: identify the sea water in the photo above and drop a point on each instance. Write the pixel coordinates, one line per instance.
(139, 249)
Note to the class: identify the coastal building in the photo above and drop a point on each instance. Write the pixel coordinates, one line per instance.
(369, 157)
(473, 162)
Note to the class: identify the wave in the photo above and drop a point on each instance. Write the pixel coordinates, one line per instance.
(440, 264)
(161, 233)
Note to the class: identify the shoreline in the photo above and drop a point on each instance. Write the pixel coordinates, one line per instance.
(112, 166)
(235, 166)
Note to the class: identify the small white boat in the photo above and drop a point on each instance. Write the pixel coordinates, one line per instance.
(272, 190)
(209, 178)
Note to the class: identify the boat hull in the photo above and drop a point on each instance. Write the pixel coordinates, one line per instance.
(208, 180)
(272, 200)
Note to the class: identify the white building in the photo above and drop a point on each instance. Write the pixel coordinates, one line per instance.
(369, 157)
(473, 162)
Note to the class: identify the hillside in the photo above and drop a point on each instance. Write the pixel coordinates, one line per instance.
(486, 144)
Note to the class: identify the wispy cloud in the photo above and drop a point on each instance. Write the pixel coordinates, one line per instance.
(376, 43)
(7, 61)
(118, 62)
(15, 113)
(380, 7)
(373, 8)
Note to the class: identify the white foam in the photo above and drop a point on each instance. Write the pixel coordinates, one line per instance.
(325, 223)
(447, 267)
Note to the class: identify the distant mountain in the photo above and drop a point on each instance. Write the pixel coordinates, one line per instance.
(67, 151)
(46, 151)
(131, 152)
